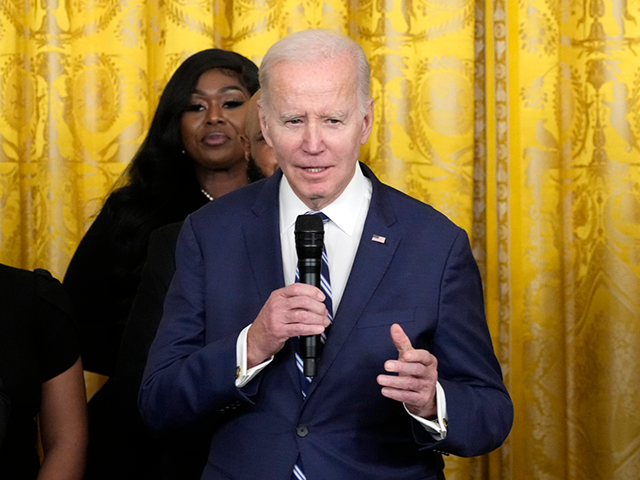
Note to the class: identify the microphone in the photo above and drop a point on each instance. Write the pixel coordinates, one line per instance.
(309, 234)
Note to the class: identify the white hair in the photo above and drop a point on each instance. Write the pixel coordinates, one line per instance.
(311, 46)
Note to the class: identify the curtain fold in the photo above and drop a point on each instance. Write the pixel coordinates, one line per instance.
(518, 120)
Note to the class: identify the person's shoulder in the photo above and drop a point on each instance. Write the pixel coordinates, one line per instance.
(45, 281)
(18, 278)
(103, 220)
(50, 290)
(7, 271)
(38, 284)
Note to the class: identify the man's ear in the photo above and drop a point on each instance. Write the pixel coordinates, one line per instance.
(367, 123)
(263, 124)
(246, 146)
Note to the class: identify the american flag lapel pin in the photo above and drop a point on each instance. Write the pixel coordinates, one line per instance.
(378, 238)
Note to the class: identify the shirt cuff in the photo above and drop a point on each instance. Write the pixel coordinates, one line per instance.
(244, 376)
(438, 427)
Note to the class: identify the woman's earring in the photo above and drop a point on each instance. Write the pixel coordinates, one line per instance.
(183, 152)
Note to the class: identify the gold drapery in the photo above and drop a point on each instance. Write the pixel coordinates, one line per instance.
(519, 120)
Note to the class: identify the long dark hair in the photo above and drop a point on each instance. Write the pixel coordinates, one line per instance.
(159, 186)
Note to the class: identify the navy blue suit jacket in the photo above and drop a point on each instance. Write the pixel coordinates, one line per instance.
(423, 277)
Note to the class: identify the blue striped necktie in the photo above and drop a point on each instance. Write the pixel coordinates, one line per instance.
(325, 284)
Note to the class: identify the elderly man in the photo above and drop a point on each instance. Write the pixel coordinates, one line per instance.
(407, 372)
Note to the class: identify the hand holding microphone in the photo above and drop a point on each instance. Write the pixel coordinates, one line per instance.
(295, 310)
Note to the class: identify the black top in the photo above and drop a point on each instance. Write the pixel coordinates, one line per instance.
(100, 300)
(102, 285)
(120, 446)
(5, 410)
(37, 343)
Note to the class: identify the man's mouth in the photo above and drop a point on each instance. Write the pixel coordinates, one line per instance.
(314, 170)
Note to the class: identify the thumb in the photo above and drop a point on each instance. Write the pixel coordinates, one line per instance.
(400, 340)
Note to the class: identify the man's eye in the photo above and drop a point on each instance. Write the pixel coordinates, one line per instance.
(195, 107)
(295, 121)
(334, 121)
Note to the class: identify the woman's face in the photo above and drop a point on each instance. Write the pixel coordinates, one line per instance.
(212, 121)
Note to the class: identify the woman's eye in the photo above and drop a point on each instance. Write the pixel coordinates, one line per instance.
(233, 104)
(195, 107)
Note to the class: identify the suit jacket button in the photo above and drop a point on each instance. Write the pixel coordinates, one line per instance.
(302, 431)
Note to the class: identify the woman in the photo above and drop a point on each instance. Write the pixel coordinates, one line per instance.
(41, 373)
(191, 155)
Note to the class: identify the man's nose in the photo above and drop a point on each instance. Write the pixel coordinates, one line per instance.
(313, 142)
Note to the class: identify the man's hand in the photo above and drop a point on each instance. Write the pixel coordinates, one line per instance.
(415, 384)
(294, 310)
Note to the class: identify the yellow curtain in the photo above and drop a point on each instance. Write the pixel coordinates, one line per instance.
(519, 120)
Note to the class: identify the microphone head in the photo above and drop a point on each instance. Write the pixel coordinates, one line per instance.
(309, 223)
(309, 234)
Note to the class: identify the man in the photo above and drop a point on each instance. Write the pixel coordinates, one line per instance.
(407, 371)
(260, 156)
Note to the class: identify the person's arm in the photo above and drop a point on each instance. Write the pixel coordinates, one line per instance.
(479, 409)
(461, 359)
(179, 359)
(100, 300)
(188, 378)
(63, 426)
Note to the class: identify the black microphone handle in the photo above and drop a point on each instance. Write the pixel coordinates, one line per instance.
(310, 345)
(309, 235)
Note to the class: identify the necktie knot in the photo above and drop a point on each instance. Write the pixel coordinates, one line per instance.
(325, 219)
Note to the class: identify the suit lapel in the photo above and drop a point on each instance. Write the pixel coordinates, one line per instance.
(262, 241)
(370, 264)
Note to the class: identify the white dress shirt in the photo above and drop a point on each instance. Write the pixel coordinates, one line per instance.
(347, 215)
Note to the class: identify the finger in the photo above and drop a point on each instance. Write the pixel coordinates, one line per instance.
(301, 329)
(416, 403)
(301, 304)
(416, 356)
(406, 389)
(284, 300)
(306, 317)
(408, 383)
(413, 369)
(302, 289)
(400, 340)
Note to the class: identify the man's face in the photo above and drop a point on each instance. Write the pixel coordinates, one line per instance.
(315, 127)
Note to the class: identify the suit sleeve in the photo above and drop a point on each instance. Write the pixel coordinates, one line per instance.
(187, 379)
(479, 409)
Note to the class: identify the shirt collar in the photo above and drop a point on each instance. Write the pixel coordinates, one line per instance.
(343, 211)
